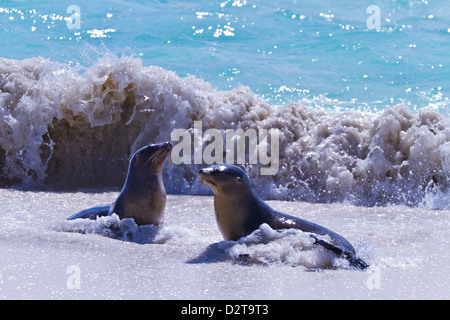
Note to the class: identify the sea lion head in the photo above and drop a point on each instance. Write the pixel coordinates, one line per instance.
(151, 158)
(234, 198)
(226, 180)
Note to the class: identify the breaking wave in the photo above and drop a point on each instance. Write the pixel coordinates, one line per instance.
(76, 127)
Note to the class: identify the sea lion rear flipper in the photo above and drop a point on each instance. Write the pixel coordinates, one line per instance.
(91, 213)
(354, 262)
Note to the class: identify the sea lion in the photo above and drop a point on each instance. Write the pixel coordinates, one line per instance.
(239, 211)
(143, 196)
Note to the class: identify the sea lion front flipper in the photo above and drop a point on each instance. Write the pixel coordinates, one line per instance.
(91, 213)
(358, 263)
(354, 262)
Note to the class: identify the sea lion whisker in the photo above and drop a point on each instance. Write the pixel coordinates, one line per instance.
(156, 158)
(215, 185)
(151, 158)
(210, 183)
(169, 164)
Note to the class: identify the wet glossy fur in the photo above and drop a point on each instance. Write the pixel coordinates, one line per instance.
(239, 211)
(143, 196)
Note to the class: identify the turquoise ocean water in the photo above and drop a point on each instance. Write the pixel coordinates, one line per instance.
(319, 52)
(358, 91)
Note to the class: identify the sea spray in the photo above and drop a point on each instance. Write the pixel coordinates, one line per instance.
(71, 127)
(266, 246)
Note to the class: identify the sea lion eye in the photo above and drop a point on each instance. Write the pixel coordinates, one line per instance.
(239, 179)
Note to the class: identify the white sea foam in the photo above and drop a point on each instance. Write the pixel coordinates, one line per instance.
(186, 257)
(266, 246)
(127, 230)
(77, 127)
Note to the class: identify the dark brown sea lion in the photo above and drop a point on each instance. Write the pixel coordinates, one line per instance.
(143, 196)
(239, 211)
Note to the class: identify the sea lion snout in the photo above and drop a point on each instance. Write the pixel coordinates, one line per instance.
(166, 149)
(213, 173)
(224, 179)
(167, 146)
(205, 172)
(160, 148)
